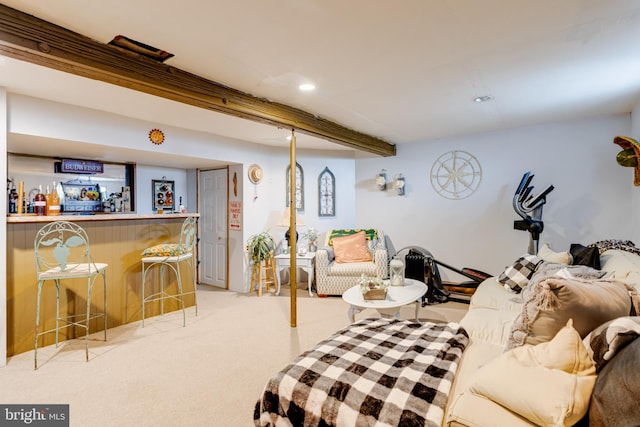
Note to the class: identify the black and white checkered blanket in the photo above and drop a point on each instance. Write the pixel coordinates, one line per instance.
(375, 372)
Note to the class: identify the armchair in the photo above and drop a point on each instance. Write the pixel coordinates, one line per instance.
(334, 278)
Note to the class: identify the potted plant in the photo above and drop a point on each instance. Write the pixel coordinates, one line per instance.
(260, 246)
(312, 236)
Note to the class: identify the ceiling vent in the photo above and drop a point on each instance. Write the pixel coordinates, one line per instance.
(140, 48)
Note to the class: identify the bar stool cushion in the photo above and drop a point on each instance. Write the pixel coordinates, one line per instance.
(167, 249)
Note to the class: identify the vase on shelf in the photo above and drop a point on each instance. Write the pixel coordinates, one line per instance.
(313, 246)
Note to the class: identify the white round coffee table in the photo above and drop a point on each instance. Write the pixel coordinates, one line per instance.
(397, 296)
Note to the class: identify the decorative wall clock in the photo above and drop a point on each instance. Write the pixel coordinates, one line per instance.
(456, 175)
(299, 187)
(156, 136)
(326, 193)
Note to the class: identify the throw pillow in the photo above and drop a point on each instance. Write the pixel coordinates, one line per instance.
(516, 276)
(615, 397)
(370, 233)
(555, 300)
(548, 384)
(549, 255)
(583, 255)
(166, 249)
(352, 248)
(550, 269)
(606, 340)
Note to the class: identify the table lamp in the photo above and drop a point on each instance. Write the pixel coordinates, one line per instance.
(285, 220)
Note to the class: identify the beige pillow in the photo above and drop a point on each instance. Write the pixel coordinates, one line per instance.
(554, 300)
(352, 248)
(548, 384)
(549, 255)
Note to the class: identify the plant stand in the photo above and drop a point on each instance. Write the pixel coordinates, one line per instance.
(264, 272)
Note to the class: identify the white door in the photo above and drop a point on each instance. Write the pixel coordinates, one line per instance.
(212, 202)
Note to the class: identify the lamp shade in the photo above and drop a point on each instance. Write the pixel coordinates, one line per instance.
(285, 218)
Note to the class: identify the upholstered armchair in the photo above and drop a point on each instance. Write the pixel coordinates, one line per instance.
(336, 274)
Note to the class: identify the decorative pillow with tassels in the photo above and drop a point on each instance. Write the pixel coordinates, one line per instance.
(553, 301)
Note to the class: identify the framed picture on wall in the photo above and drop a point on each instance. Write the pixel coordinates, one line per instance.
(299, 187)
(163, 195)
(326, 193)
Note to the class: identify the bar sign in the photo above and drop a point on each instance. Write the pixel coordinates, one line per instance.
(81, 166)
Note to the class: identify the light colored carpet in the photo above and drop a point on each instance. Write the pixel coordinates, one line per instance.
(209, 373)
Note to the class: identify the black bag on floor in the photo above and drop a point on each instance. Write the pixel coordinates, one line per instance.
(436, 292)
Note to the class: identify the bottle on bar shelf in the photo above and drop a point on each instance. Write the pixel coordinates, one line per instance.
(53, 201)
(40, 203)
(13, 200)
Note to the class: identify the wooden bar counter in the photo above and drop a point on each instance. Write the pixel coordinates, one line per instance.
(117, 239)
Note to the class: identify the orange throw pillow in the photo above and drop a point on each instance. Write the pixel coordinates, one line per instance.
(351, 248)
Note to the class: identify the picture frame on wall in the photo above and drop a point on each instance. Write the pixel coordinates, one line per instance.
(326, 193)
(163, 193)
(299, 187)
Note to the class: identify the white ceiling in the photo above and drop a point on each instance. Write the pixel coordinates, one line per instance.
(405, 71)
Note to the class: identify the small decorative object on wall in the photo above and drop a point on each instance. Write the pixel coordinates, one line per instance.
(299, 189)
(399, 184)
(326, 193)
(156, 136)
(255, 174)
(381, 180)
(629, 156)
(163, 195)
(456, 175)
(235, 184)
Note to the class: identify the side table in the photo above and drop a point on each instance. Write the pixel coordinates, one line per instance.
(397, 296)
(306, 262)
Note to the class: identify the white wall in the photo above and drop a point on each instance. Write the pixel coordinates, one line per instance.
(591, 200)
(145, 175)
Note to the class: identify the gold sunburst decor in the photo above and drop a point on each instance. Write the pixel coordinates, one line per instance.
(156, 136)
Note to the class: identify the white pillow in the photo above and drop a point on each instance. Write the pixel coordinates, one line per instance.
(549, 255)
(548, 384)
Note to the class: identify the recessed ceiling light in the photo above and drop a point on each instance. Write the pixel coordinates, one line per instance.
(483, 98)
(307, 87)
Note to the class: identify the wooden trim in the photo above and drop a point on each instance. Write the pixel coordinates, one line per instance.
(30, 39)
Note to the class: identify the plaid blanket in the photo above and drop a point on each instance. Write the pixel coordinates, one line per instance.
(375, 372)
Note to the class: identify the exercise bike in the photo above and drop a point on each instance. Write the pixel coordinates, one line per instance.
(530, 210)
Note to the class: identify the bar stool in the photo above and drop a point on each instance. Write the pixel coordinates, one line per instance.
(62, 252)
(171, 255)
(264, 269)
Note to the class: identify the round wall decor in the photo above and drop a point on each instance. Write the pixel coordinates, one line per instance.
(156, 136)
(255, 174)
(456, 175)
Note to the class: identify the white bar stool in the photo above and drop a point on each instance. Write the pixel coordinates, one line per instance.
(62, 252)
(171, 255)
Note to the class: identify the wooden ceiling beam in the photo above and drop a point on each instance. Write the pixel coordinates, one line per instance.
(30, 39)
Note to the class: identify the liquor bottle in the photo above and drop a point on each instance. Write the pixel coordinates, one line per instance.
(181, 207)
(53, 204)
(39, 203)
(13, 200)
(47, 198)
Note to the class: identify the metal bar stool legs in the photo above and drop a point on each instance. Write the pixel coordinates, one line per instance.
(62, 254)
(162, 294)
